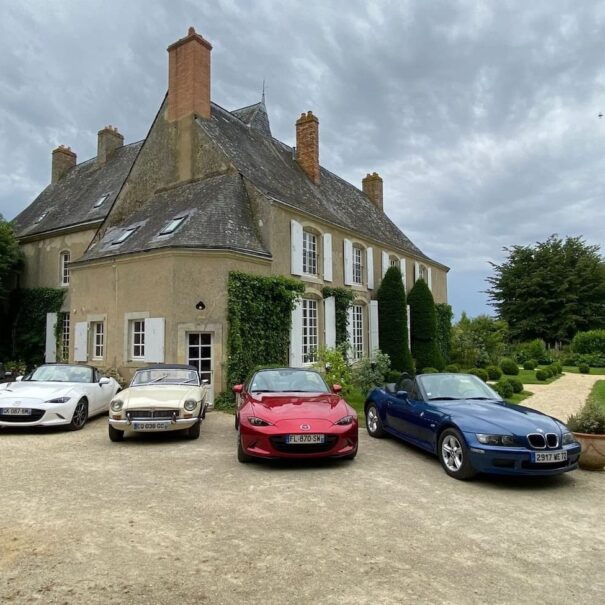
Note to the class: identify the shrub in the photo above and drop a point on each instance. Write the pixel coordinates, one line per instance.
(16, 368)
(423, 324)
(590, 419)
(541, 375)
(516, 384)
(430, 371)
(584, 368)
(335, 368)
(444, 315)
(225, 401)
(452, 368)
(504, 388)
(554, 368)
(494, 372)
(369, 373)
(534, 349)
(589, 342)
(479, 372)
(392, 376)
(530, 364)
(509, 366)
(548, 372)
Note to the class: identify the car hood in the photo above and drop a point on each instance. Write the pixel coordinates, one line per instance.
(282, 406)
(42, 391)
(498, 417)
(158, 396)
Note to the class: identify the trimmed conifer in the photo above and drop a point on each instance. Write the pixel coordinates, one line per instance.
(423, 326)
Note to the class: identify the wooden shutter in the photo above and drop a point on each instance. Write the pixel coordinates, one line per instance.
(416, 271)
(350, 326)
(403, 272)
(327, 250)
(385, 263)
(50, 354)
(370, 264)
(430, 277)
(330, 321)
(373, 315)
(296, 336)
(296, 251)
(154, 339)
(348, 261)
(81, 341)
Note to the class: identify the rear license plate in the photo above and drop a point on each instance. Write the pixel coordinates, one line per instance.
(546, 457)
(16, 411)
(150, 426)
(311, 438)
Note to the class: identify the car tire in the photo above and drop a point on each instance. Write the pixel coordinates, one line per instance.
(373, 422)
(241, 453)
(454, 455)
(115, 435)
(80, 416)
(193, 432)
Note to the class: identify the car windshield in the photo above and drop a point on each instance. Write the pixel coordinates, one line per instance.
(288, 381)
(454, 387)
(60, 373)
(165, 376)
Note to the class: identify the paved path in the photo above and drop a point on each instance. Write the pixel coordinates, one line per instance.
(562, 397)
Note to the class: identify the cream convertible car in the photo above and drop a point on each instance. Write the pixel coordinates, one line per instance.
(160, 398)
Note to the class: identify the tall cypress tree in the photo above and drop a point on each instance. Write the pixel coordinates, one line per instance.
(393, 321)
(423, 327)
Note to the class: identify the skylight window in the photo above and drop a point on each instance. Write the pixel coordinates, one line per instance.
(172, 225)
(42, 216)
(124, 236)
(100, 201)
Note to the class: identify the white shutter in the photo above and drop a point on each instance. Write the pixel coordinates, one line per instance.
(330, 321)
(403, 272)
(348, 259)
(374, 346)
(296, 336)
(370, 264)
(296, 251)
(409, 329)
(154, 339)
(430, 272)
(416, 271)
(350, 327)
(50, 355)
(385, 263)
(81, 341)
(327, 256)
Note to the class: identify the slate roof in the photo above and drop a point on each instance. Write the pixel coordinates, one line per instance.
(255, 116)
(218, 216)
(70, 201)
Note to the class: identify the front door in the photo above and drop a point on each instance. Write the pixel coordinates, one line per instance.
(199, 354)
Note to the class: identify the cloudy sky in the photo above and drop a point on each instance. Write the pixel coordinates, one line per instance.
(481, 116)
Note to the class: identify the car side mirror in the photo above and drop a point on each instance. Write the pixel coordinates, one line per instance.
(402, 395)
(237, 388)
(336, 388)
(104, 380)
(19, 379)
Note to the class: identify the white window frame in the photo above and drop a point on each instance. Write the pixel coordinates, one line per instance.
(310, 330)
(357, 262)
(97, 337)
(136, 326)
(64, 260)
(65, 337)
(357, 332)
(310, 253)
(198, 358)
(172, 225)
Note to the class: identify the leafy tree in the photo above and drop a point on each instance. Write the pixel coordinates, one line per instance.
(444, 330)
(479, 341)
(423, 324)
(10, 256)
(393, 321)
(551, 290)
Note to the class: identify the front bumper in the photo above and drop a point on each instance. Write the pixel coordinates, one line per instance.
(151, 425)
(43, 414)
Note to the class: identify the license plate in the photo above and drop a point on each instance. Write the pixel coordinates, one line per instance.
(546, 457)
(150, 426)
(16, 411)
(310, 438)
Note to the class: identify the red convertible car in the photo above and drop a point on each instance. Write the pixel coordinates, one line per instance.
(292, 413)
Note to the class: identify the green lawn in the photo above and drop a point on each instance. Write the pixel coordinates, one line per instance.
(519, 397)
(356, 399)
(529, 377)
(574, 370)
(598, 393)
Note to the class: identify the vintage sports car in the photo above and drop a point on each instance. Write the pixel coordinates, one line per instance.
(160, 398)
(467, 425)
(292, 413)
(55, 394)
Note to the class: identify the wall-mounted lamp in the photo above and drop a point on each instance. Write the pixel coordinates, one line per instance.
(200, 306)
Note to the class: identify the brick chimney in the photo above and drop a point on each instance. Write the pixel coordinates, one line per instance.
(64, 159)
(372, 187)
(189, 77)
(307, 145)
(108, 141)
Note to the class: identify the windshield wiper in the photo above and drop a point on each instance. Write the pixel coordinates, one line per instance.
(444, 399)
(158, 379)
(264, 391)
(480, 398)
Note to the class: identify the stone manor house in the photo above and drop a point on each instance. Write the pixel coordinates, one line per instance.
(144, 235)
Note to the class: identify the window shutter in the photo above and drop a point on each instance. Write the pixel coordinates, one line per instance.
(374, 346)
(385, 263)
(296, 251)
(350, 327)
(403, 272)
(416, 271)
(81, 341)
(409, 329)
(327, 250)
(348, 259)
(154, 339)
(430, 272)
(370, 264)
(330, 321)
(50, 355)
(296, 336)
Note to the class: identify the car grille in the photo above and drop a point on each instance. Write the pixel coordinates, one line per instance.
(154, 414)
(279, 443)
(35, 415)
(541, 441)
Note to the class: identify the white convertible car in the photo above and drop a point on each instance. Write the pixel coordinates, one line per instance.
(160, 398)
(55, 394)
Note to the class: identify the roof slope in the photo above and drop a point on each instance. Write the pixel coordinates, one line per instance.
(70, 201)
(255, 116)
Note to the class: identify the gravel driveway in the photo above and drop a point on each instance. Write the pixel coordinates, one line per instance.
(159, 519)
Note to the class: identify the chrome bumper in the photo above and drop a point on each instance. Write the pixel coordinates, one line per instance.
(127, 423)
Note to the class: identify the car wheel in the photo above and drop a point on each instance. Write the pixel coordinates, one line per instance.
(115, 434)
(241, 453)
(80, 416)
(454, 455)
(373, 422)
(193, 432)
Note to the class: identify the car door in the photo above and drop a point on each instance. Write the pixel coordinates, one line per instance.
(402, 413)
(97, 394)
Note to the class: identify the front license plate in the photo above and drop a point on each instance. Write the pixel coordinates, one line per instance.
(311, 438)
(546, 457)
(150, 426)
(16, 411)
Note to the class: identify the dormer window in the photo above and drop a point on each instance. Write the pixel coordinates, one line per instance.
(124, 236)
(42, 217)
(309, 249)
(100, 201)
(172, 225)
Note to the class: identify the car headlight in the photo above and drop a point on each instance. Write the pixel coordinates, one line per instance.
(568, 438)
(190, 405)
(117, 405)
(59, 400)
(506, 440)
(346, 420)
(258, 421)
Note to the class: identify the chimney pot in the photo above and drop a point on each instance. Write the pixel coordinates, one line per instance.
(372, 187)
(108, 140)
(63, 160)
(307, 145)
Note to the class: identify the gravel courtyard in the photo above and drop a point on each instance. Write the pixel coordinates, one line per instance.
(159, 519)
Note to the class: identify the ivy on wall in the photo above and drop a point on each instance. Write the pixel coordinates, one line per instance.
(343, 300)
(259, 311)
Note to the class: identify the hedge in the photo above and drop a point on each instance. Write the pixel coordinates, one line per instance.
(423, 322)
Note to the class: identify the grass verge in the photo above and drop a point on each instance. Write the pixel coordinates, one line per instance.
(519, 397)
(598, 393)
(574, 370)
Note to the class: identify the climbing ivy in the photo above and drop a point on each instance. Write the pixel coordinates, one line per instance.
(343, 299)
(259, 314)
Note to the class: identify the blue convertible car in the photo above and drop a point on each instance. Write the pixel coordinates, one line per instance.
(467, 425)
